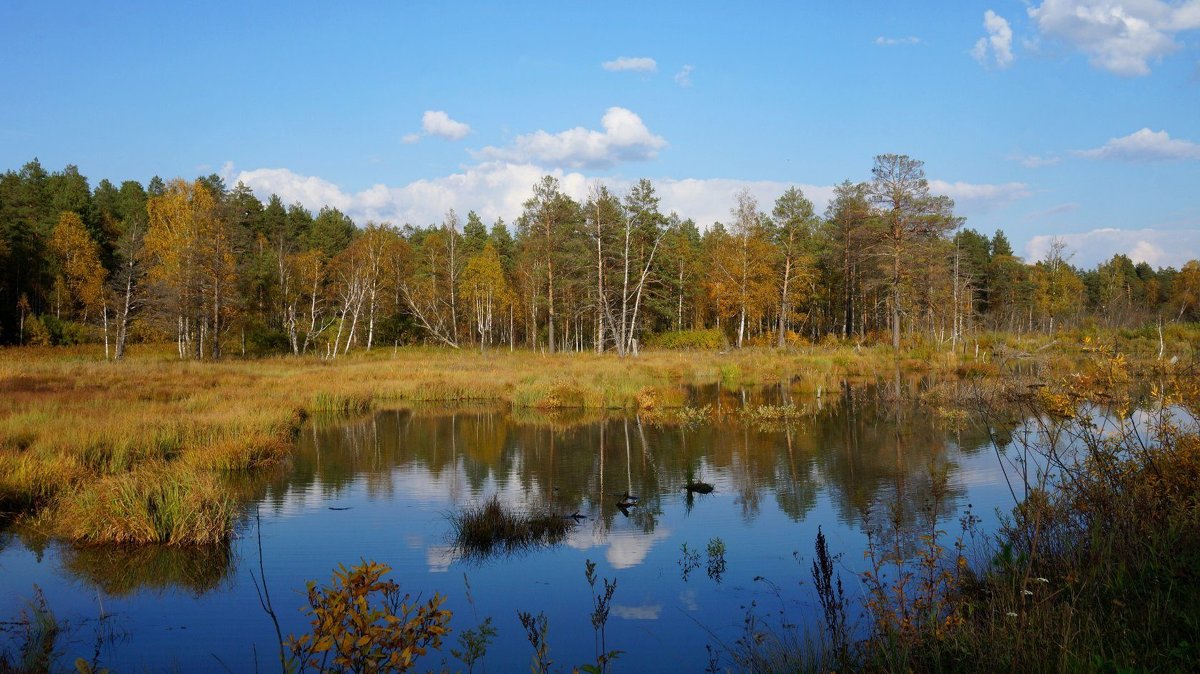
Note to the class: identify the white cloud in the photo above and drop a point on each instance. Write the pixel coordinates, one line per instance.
(1120, 36)
(311, 191)
(498, 189)
(1144, 145)
(1158, 247)
(894, 41)
(493, 189)
(708, 200)
(625, 138)
(643, 64)
(684, 77)
(976, 198)
(438, 123)
(625, 548)
(438, 558)
(998, 42)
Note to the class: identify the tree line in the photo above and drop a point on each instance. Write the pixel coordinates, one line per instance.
(216, 270)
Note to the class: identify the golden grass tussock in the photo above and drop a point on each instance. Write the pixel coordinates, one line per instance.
(154, 503)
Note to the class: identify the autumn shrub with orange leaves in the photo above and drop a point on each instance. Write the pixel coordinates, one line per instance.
(362, 622)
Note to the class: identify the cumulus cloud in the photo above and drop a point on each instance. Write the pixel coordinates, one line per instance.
(624, 138)
(643, 64)
(493, 189)
(998, 43)
(498, 189)
(895, 41)
(1120, 36)
(438, 123)
(684, 77)
(1143, 146)
(708, 200)
(1157, 247)
(977, 198)
(311, 191)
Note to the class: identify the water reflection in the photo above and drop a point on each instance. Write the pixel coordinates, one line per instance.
(383, 486)
(120, 571)
(863, 446)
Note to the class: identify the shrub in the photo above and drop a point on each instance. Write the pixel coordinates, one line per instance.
(562, 394)
(362, 623)
(262, 341)
(36, 333)
(689, 339)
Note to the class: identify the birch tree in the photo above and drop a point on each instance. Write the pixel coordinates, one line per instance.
(78, 257)
(602, 213)
(643, 228)
(486, 291)
(426, 291)
(740, 274)
(127, 280)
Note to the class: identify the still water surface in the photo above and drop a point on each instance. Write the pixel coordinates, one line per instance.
(383, 486)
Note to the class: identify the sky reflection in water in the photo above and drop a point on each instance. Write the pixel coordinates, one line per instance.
(383, 486)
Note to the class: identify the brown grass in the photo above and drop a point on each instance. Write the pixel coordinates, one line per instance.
(73, 425)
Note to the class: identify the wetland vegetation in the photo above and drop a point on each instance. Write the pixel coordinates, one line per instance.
(992, 462)
(1099, 535)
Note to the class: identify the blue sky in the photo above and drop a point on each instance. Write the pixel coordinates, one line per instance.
(1073, 118)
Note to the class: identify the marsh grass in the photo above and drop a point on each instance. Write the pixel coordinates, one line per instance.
(491, 527)
(154, 503)
(72, 424)
(341, 403)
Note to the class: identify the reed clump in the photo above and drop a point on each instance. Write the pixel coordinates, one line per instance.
(341, 403)
(155, 503)
(492, 527)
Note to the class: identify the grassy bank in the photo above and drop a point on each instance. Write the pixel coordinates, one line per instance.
(95, 451)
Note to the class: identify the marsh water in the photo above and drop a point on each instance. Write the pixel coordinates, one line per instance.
(383, 487)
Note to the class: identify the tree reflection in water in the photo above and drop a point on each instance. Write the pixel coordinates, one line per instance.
(383, 485)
